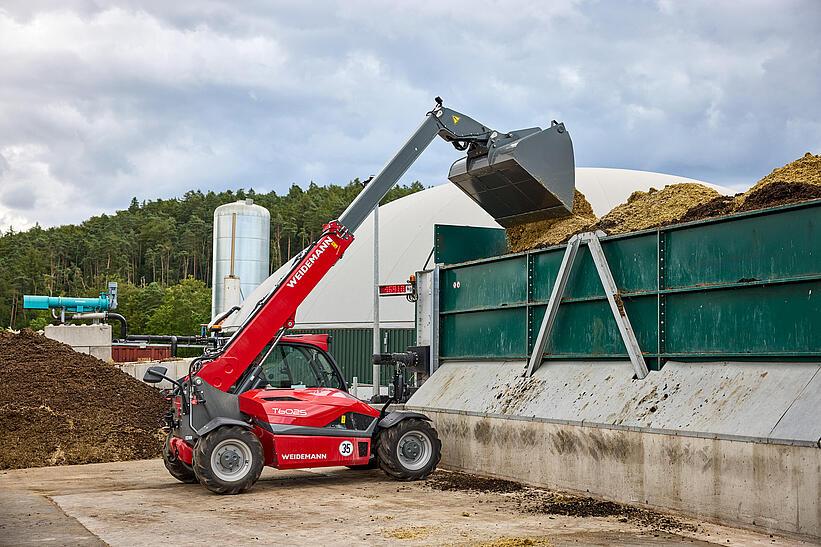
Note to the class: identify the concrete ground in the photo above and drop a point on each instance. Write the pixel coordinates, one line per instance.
(138, 503)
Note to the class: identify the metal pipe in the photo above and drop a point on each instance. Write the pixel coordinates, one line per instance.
(164, 339)
(103, 316)
(36, 302)
(123, 323)
(146, 345)
(376, 344)
(87, 316)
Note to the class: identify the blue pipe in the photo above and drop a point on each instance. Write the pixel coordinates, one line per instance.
(78, 305)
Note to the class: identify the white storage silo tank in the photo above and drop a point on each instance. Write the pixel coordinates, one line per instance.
(242, 233)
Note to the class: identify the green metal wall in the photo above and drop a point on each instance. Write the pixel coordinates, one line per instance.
(353, 349)
(741, 287)
(454, 244)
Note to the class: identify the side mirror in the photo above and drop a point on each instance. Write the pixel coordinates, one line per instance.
(154, 375)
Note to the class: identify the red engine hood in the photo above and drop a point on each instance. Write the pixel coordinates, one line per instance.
(314, 407)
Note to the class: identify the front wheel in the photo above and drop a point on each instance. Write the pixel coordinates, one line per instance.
(410, 450)
(178, 468)
(228, 460)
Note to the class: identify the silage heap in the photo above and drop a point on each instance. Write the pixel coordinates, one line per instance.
(58, 406)
(552, 231)
(795, 182)
(655, 208)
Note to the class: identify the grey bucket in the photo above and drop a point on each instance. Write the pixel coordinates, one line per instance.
(526, 175)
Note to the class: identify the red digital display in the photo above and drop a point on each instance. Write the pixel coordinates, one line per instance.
(398, 289)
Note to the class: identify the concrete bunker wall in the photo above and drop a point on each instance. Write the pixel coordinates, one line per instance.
(727, 314)
(766, 486)
(735, 443)
(94, 340)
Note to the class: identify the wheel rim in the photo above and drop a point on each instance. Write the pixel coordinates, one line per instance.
(414, 450)
(231, 460)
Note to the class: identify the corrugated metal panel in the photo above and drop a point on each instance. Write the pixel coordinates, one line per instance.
(131, 354)
(353, 349)
(743, 286)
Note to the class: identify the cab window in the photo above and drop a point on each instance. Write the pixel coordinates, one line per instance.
(290, 367)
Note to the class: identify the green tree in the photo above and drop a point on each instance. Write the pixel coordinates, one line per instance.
(184, 308)
(153, 245)
(138, 304)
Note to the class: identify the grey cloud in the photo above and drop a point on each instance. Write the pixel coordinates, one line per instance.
(108, 100)
(21, 198)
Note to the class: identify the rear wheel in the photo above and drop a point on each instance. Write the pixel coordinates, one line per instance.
(410, 450)
(178, 468)
(228, 460)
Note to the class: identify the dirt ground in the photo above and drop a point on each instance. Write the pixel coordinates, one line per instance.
(138, 503)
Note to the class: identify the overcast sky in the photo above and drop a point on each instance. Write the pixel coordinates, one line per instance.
(103, 101)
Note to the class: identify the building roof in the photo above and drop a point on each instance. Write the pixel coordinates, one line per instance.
(345, 297)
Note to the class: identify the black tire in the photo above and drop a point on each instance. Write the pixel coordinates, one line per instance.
(397, 463)
(178, 468)
(228, 460)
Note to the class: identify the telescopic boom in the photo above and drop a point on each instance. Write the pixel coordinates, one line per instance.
(520, 176)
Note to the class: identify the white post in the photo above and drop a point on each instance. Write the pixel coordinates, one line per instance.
(376, 344)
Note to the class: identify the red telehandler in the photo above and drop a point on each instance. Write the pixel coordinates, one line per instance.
(262, 397)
